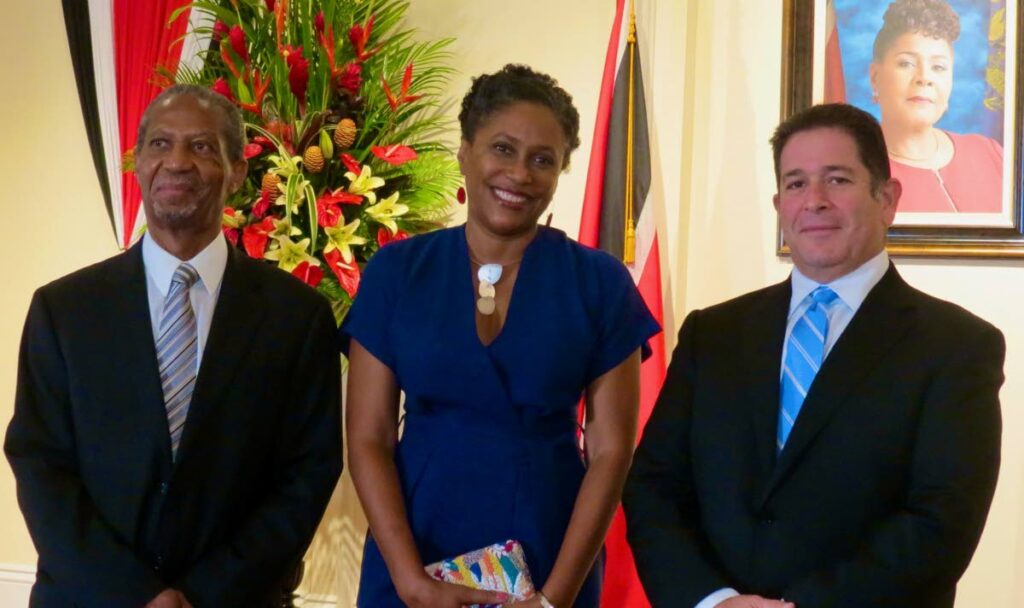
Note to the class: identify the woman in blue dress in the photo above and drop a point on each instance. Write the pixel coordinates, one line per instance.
(494, 330)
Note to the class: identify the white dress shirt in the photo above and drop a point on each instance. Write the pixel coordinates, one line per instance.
(160, 266)
(852, 289)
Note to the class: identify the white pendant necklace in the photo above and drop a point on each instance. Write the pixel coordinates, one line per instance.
(488, 275)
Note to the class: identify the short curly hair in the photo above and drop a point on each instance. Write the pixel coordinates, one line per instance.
(931, 18)
(513, 83)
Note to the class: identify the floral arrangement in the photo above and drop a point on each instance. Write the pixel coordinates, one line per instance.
(343, 117)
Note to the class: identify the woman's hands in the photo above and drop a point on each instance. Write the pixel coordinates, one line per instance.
(425, 592)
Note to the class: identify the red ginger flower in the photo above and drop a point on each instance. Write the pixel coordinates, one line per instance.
(270, 5)
(298, 72)
(219, 31)
(350, 77)
(221, 86)
(318, 22)
(237, 38)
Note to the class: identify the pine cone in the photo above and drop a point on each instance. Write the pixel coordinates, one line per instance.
(345, 134)
(270, 182)
(313, 159)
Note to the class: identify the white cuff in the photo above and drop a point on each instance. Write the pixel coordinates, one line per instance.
(717, 597)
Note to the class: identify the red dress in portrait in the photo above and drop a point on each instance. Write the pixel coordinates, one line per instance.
(972, 182)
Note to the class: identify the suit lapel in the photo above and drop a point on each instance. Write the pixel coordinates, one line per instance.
(881, 322)
(761, 356)
(135, 351)
(236, 320)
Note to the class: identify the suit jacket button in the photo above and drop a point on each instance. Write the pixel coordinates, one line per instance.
(163, 488)
(768, 521)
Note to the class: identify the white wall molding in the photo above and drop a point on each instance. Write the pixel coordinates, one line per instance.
(16, 584)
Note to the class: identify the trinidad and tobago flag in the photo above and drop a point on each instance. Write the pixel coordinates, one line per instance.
(619, 218)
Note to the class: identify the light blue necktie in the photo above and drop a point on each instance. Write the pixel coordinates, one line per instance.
(805, 351)
(176, 352)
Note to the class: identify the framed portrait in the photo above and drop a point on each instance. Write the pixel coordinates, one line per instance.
(942, 78)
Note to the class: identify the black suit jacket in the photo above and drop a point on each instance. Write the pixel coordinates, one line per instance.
(882, 490)
(113, 520)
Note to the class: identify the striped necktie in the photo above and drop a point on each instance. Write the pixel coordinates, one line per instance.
(805, 350)
(176, 352)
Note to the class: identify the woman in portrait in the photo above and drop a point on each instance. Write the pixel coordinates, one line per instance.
(911, 78)
(494, 330)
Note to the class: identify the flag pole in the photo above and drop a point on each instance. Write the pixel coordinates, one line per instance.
(629, 242)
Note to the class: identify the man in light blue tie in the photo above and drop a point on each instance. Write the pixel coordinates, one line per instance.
(176, 432)
(830, 441)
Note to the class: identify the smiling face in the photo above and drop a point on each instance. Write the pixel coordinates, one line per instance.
(512, 167)
(183, 169)
(831, 219)
(914, 80)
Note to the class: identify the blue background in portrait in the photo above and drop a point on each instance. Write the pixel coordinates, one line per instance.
(858, 21)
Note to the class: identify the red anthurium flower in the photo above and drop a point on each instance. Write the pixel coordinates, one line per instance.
(384, 236)
(328, 210)
(232, 234)
(359, 36)
(253, 150)
(348, 274)
(237, 38)
(350, 77)
(351, 163)
(256, 236)
(221, 86)
(219, 31)
(403, 96)
(394, 155)
(318, 22)
(298, 72)
(260, 207)
(310, 275)
(270, 5)
(263, 141)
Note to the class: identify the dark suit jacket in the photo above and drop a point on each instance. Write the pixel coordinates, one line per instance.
(113, 521)
(882, 490)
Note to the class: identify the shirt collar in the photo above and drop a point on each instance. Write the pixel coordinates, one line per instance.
(851, 288)
(209, 263)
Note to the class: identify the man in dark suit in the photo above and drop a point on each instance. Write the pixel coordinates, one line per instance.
(834, 439)
(176, 432)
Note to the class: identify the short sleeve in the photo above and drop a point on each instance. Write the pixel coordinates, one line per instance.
(624, 321)
(369, 319)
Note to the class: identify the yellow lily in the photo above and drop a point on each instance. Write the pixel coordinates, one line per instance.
(283, 228)
(290, 254)
(342, 237)
(364, 184)
(386, 211)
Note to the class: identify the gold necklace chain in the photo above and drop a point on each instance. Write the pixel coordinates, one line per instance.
(935, 152)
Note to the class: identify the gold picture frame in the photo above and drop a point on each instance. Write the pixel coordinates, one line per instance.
(803, 41)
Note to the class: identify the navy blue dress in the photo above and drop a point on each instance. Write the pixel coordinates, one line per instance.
(488, 450)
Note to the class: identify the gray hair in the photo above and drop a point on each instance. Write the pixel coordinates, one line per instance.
(231, 127)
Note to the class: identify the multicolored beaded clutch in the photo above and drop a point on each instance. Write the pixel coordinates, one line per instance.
(500, 567)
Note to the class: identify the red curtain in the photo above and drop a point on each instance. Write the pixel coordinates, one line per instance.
(142, 41)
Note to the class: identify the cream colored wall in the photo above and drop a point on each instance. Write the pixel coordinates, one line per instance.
(712, 70)
(53, 214)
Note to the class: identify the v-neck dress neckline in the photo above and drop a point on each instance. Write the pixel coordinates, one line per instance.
(514, 295)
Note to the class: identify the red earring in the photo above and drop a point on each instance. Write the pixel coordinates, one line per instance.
(460, 195)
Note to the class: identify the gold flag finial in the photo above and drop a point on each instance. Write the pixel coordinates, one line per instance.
(629, 240)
